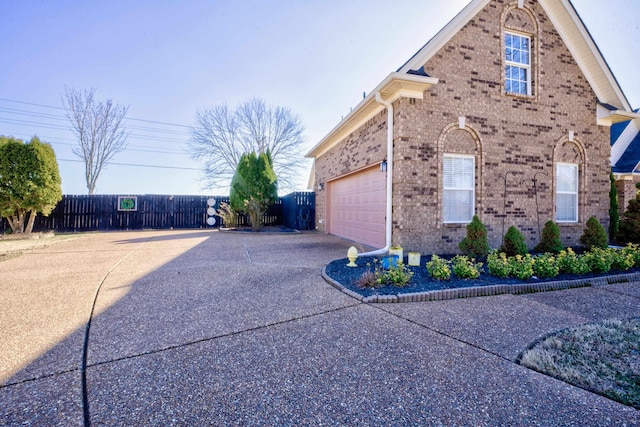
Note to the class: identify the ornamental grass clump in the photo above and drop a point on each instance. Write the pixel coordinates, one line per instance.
(514, 243)
(465, 268)
(498, 264)
(439, 268)
(521, 266)
(571, 263)
(545, 266)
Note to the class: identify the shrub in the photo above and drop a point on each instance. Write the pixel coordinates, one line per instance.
(634, 250)
(594, 236)
(571, 263)
(550, 239)
(521, 266)
(439, 268)
(545, 266)
(514, 243)
(476, 244)
(398, 275)
(599, 260)
(498, 264)
(465, 268)
(629, 230)
(623, 259)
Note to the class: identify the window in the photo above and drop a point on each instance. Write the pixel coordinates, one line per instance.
(518, 64)
(566, 192)
(459, 180)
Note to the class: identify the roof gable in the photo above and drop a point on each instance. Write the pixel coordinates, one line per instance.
(573, 32)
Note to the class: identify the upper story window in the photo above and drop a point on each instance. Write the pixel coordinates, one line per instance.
(518, 64)
(566, 192)
(459, 179)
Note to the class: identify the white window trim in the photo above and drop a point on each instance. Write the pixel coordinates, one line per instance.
(576, 168)
(473, 188)
(527, 67)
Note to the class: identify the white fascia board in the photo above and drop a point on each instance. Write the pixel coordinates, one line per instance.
(575, 35)
(393, 87)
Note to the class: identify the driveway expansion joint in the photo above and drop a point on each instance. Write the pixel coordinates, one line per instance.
(216, 337)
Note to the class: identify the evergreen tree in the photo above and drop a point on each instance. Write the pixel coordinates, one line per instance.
(594, 236)
(476, 244)
(630, 224)
(254, 187)
(550, 241)
(514, 243)
(614, 215)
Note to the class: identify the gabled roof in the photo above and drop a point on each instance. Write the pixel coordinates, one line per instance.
(575, 35)
(613, 107)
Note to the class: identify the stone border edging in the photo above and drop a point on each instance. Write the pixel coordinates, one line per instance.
(480, 291)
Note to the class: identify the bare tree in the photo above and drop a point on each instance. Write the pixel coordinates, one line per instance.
(221, 136)
(99, 127)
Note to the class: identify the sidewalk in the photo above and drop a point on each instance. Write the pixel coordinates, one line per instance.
(203, 327)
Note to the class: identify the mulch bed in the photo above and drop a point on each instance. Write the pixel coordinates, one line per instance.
(422, 280)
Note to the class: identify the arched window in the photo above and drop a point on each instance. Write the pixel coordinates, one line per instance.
(519, 29)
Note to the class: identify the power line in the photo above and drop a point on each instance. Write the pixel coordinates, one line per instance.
(135, 165)
(63, 109)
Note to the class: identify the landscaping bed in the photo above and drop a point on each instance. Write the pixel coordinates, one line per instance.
(427, 287)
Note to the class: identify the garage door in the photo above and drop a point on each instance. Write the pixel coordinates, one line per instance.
(356, 206)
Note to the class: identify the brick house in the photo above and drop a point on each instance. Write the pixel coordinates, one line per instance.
(625, 159)
(505, 113)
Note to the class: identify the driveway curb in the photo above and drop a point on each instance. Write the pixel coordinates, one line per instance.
(481, 291)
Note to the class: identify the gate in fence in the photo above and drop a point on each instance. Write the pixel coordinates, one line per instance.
(113, 212)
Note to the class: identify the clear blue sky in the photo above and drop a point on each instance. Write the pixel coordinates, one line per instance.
(165, 59)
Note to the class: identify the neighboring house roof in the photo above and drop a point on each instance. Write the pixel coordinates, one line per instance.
(625, 147)
(614, 106)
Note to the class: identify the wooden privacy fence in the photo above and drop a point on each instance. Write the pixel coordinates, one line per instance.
(113, 212)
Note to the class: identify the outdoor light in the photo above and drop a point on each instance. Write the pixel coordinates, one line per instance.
(320, 187)
(383, 166)
(352, 255)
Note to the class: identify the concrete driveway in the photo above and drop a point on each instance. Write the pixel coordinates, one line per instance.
(210, 328)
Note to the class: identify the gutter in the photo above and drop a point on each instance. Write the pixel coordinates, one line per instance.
(389, 204)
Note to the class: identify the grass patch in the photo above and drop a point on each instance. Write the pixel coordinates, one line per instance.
(602, 357)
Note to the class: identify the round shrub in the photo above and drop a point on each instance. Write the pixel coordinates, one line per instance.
(465, 268)
(439, 268)
(545, 266)
(476, 244)
(498, 264)
(514, 243)
(571, 263)
(521, 266)
(550, 241)
(594, 236)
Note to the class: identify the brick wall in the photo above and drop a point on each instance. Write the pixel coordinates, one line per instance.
(517, 139)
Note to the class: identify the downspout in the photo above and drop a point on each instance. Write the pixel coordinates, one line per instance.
(389, 205)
